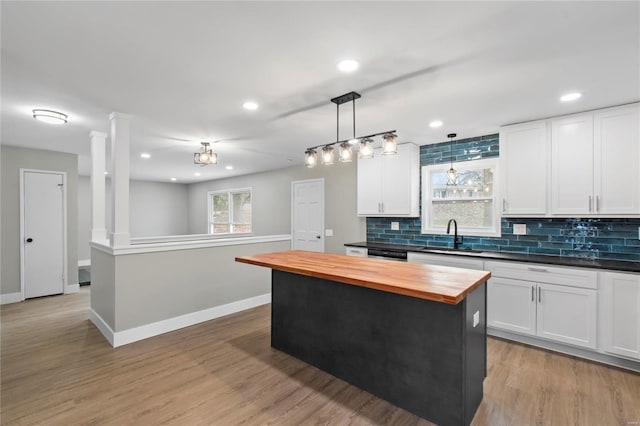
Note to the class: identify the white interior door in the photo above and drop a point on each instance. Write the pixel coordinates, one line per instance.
(43, 233)
(307, 215)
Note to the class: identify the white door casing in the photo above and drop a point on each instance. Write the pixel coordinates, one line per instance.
(307, 215)
(42, 232)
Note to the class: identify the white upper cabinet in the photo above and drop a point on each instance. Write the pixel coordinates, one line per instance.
(523, 164)
(389, 185)
(579, 165)
(616, 140)
(572, 165)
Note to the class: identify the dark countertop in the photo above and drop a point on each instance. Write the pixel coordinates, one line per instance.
(613, 265)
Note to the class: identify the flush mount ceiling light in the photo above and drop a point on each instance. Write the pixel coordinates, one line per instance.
(452, 175)
(145, 155)
(348, 65)
(571, 97)
(49, 116)
(173, 179)
(389, 143)
(229, 167)
(250, 105)
(435, 124)
(206, 156)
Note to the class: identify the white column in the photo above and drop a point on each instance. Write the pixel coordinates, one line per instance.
(98, 221)
(120, 129)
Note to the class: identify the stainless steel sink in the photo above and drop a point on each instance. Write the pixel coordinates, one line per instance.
(446, 250)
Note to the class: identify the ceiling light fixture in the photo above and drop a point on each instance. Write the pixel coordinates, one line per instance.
(229, 167)
(389, 144)
(196, 174)
(49, 116)
(348, 65)
(173, 179)
(571, 97)
(452, 175)
(145, 155)
(206, 156)
(435, 124)
(250, 105)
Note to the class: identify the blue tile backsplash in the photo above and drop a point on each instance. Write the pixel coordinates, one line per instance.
(615, 239)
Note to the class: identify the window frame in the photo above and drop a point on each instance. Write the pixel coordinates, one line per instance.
(427, 199)
(229, 193)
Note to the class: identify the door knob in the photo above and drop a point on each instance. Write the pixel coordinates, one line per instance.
(29, 240)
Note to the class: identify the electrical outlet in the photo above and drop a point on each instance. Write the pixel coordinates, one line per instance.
(395, 226)
(328, 232)
(519, 229)
(476, 318)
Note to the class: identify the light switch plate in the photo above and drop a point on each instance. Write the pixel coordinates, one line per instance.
(328, 232)
(519, 229)
(395, 226)
(476, 318)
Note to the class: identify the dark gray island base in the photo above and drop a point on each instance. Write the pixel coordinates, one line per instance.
(424, 356)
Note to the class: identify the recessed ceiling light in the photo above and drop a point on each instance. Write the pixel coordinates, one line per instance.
(250, 105)
(196, 174)
(106, 173)
(48, 116)
(348, 65)
(145, 155)
(436, 123)
(571, 97)
(173, 179)
(228, 167)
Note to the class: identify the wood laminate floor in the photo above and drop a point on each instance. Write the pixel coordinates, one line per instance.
(57, 369)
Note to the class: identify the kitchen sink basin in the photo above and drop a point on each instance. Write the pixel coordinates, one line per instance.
(447, 250)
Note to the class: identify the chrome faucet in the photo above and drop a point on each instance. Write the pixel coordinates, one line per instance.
(456, 242)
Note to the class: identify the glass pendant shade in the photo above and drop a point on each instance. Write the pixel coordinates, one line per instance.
(389, 144)
(345, 153)
(327, 155)
(310, 158)
(366, 150)
(452, 177)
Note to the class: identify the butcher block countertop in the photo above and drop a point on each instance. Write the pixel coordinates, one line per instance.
(437, 283)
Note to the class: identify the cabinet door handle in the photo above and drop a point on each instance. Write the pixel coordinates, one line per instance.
(533, 292)
(590, 203)
(382, 207)
(597, 203)
(537, 269)
(504, 205)
(539, 295)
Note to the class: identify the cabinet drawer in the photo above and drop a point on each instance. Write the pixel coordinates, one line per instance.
(541, 273)
(356, 251)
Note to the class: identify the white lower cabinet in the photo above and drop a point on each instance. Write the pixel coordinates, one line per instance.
(621, 314)
(533, 300)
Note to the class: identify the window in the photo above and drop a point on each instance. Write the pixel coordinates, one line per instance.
(230, 211)
(471, 202)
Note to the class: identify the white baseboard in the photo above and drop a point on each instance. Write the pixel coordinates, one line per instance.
(104, 328)
(131, 335)
(10, 298)
(72, 288)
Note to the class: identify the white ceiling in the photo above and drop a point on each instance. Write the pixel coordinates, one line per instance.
(183, 70)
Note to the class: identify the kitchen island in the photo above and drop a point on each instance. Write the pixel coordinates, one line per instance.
(412, 334)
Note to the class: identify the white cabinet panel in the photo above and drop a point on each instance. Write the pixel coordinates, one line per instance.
(389, 185)
(356, 251)
(621, 313)
(617, 164)
(572, 165)
(511, 305)
(523, 167)
(567, 314)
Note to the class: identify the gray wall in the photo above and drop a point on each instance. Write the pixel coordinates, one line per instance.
(155, 209)
(271, 204)
(13, 159)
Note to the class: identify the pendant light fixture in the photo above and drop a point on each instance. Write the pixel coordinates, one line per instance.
(452, 175)
(345, 152)
(389, 144)
(311, 158)
(206, 156)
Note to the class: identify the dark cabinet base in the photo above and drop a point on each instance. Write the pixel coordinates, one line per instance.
(423, 356)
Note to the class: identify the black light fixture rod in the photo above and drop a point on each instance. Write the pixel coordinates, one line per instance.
(354, 118)
(359, 137)
(337, 121)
